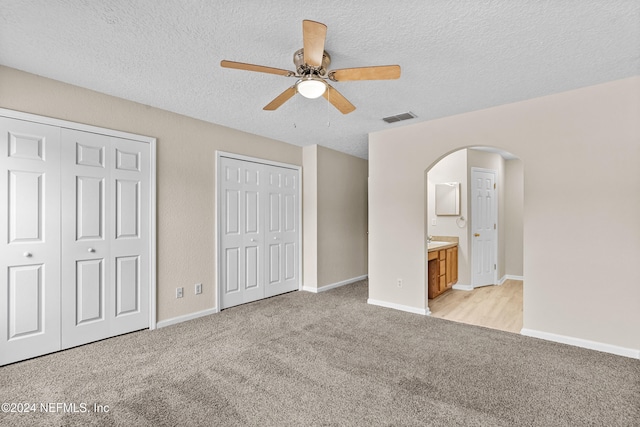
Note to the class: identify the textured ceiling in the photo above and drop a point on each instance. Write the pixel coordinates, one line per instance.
(456, 56)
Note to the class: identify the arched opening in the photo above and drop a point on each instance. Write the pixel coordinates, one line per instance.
(474, 237)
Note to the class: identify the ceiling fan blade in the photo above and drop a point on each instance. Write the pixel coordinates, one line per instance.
(280, 99)
(313, 37)
(258, 68)
(383, 72)
(337, 100)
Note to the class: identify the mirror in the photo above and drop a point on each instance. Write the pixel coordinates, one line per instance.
(448, 198)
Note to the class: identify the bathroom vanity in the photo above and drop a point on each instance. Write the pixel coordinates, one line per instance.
(442, 259)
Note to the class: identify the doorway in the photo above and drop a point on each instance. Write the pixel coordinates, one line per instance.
(497, 253)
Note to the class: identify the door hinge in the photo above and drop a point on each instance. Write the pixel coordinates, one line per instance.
(494, 266)
(494, 226)
(494, 185)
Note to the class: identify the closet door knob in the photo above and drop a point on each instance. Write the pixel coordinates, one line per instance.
(27, 254)
(276, 238)
(253, 240)
(91, 250)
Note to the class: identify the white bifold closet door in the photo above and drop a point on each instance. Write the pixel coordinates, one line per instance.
(74, 238)
(259, 230)
(105, 249)
(29, 239)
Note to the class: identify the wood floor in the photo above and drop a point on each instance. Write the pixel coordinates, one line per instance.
(496, 307)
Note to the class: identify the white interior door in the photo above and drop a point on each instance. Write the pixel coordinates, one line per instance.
(130, 239)
(282, 230)
(484, 227)
(29, 240)
(86, 202)
(259, 230)
(242, 232)
(105, 246)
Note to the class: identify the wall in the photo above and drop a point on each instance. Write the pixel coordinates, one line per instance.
(581, 150)
(514, 213)
(310, 216)
(185, 174)
(335, 209)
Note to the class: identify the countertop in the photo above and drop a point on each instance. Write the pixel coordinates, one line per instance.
(436, 245)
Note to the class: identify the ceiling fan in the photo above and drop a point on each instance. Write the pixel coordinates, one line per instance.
(312, 63)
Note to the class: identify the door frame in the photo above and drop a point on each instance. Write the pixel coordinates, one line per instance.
(495, 210)
(218, 214)
(152, 184)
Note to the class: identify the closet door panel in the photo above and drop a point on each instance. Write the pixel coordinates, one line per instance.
(242, 232)
(85, 246)
(89, 291)
(128, 285)
(29, 240)
(282, 234)
(130, 235)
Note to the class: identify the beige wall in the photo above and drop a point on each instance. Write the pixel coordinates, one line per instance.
(513, 224)
(310, 216)
(185, 174)
(335, 212)
(581, 151)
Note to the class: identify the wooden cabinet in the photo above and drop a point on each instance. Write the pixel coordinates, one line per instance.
(443, 270)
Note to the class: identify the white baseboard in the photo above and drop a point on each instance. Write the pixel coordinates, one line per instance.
(184, 318)
(510, 277)
(462, 287)
(414, 310)
(334, 285)
(579, 342)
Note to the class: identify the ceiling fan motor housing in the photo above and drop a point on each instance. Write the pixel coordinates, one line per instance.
(303, 69)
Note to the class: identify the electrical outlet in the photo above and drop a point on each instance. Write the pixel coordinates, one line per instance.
(198, 288)
(434, 221)
(399, 283)
(179, 292)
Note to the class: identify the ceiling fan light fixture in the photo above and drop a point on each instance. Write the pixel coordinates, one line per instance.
(311, 87)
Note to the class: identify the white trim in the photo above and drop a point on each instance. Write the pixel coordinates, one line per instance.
(185, 317)
(73, 125)
(408, 309)
(152, 233)
(334, 285)
(216, 213)
(579, 342)
(462, 287)
(256, 160)
(19, 115)
(510, 277)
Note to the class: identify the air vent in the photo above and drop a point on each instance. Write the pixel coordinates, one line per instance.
(400, 117)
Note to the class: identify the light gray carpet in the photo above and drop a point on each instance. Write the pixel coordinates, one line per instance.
(326, 359)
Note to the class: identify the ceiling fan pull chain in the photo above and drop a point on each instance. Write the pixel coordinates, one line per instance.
(328, 103)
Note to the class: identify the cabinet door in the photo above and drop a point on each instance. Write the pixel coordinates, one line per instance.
(29, 240)
(454, 266)
(449, 267)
